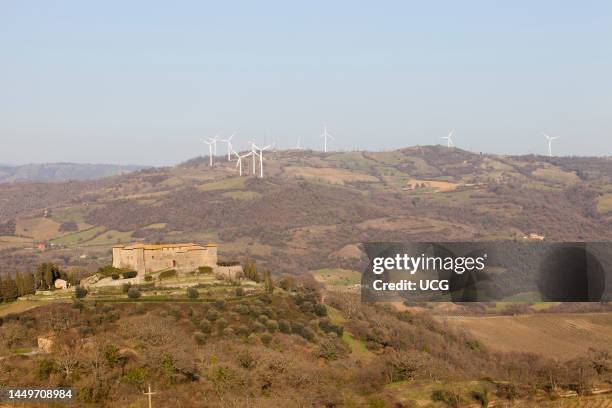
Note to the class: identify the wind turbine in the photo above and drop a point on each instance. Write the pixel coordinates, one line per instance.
(240, 157)
(209, 142)
(214, 142)
(261, 158)
(229, 146)
(449, 138)
(325, 135)
(550, 139)
(254, 153)
(299, 145)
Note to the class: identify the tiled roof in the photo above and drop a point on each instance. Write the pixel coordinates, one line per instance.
(185, 246)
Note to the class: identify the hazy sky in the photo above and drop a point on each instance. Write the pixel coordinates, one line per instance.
(142, 81)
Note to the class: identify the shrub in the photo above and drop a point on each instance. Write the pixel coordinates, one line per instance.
(328, 350)
(133, 293)
(242, 330)
(307, 333)
(206, 326)
(192, 293)
(228, 332)
(205, 270)
(246, 360)
(199, 337)
(80, 292)
(297, 327)
(262, 318)
(221, 324)
(126, 287)
(148, 278)
(229, 263)
(68, 226)
(242, 309)
(212, 315)
(45, 368)
(266, 338)
(167, 274)
(284, 327)
(220, 304)
(257, 327)
(115, 276)
(328, 327)
(450, 398)
(272, 326)
(239, 292)
(307, 307)
(320, 310)
(108, 270)
(129, 274)
(482, 397)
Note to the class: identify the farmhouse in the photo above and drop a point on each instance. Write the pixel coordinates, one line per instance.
(147, 258)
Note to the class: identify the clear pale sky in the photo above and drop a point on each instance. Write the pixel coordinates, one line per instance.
(143, 81)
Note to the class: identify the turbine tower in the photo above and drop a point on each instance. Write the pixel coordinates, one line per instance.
(254, 153)
(325, 135)
(299, 144)
(261, 158)
(550, 139)
(210, 150)
(449, 139)
(240, 157)
(229, 146)
(214, 142)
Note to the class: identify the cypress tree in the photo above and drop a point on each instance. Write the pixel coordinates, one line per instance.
(28, 283)
(9, 289)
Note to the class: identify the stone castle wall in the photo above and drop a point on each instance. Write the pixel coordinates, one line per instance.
(146, 259)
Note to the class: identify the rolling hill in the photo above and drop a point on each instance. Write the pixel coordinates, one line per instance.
(59, 172)
(312, 209)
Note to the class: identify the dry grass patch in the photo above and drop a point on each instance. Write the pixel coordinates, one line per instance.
(233, 183)
(556, 335)
(329, 175)
(556, 175)
(437, 186)
(604, 204)
(40, 229)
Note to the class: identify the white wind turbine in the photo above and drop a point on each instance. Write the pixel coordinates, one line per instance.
(449, 139)
(240, 157)
(214, 142)
(254, 154)
(229, 146)
(209, 142)
(261, 158)
(299, 144)
(325, 135)
(550, 139)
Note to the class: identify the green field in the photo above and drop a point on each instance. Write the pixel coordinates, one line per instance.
(77, 238)
(337, 277)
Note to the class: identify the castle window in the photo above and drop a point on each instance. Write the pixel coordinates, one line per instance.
(173, 262)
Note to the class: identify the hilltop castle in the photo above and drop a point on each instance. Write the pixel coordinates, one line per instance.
(147, 258)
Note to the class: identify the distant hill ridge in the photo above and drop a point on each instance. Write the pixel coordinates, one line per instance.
(58, 172)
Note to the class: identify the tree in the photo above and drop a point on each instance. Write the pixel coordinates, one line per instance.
(46, 274)
(192, 293)
(9, 289)
(133, 293)
(268, 282)
(250, 271)
(80, 292)
(28, 284)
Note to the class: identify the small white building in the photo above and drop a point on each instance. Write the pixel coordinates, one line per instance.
(61, 284)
